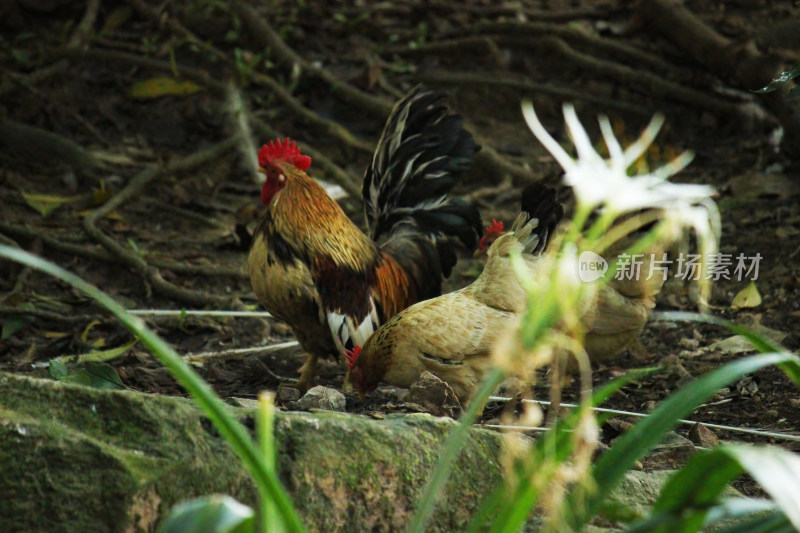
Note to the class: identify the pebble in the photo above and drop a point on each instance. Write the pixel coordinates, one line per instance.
(320, 397)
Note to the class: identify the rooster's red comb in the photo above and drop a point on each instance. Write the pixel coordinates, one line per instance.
(286, 151)
(352, 356)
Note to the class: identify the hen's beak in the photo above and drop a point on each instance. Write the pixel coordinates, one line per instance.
(261, 170)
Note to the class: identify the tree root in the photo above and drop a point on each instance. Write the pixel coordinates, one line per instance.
(150, 274)
(743, 63)
(101, 255)
(645, 81)
(36, 144)
(472, 78)
(267, 37)
(521, 33)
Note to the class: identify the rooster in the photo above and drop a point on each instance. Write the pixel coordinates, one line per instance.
(312, 267)
(452, 336)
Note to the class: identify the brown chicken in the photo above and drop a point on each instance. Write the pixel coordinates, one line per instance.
(312, 267)
(452, 336)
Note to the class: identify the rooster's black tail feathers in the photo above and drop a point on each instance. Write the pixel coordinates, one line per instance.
(421, 155)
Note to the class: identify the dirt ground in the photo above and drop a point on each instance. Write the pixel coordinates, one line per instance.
(176, 242)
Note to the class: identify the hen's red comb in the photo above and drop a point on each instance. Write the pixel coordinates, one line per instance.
(352, 355)
(495, 227)
(493, 230)
(286, 151)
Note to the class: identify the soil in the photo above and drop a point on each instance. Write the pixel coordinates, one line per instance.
(187, 226)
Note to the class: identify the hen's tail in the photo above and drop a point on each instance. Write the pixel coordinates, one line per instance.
(540, 214)
(421, 155)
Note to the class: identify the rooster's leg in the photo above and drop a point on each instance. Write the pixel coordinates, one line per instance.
(308, 373)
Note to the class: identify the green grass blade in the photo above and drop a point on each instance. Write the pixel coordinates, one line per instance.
(739, 508)
(776, 470)
(760, 342)
(775, 522)
(233, 432)
(640, 439)
(500, 503)
(450, 451)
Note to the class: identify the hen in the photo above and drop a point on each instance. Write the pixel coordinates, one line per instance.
(452, 336)
(312, 267)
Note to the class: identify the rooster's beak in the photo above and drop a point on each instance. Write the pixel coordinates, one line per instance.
(261, 170)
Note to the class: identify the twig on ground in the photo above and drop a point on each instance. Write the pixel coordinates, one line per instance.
(482, 43)
(523, 33)
(80, 37)
(263, 33)
(742, 63)
(507, 80)
(564, 15)
(497, 166)
(220, 89)
(47, 315)
(102, 255)
(645, 82)
(36, 144)
(150, 274)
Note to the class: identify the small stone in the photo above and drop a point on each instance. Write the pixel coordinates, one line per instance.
(794, 402)
(324, 398)
(673, 451)
(614, 427)
(691, 344)
(773, 414)
(287, 395)
(434, 395)
(700, 435)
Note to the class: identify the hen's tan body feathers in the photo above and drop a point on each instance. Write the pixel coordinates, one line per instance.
(452, 336)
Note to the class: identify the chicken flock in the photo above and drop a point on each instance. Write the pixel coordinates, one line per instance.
(374, 300)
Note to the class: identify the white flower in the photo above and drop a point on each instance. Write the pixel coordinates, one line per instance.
(605, 183)
(598, 181)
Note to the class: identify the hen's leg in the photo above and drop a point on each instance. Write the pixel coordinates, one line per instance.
(308, 373)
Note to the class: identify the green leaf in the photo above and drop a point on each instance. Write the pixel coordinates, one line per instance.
(158, 87)
(98, 356)
(103, 376)
(690, 500)
(97, 375)
(81, 377)
(216, 513)
(760, 342)
(782, 78)
(747, 297)
(57, 369)
(775, 522)
(45, 203)
(640, 439)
